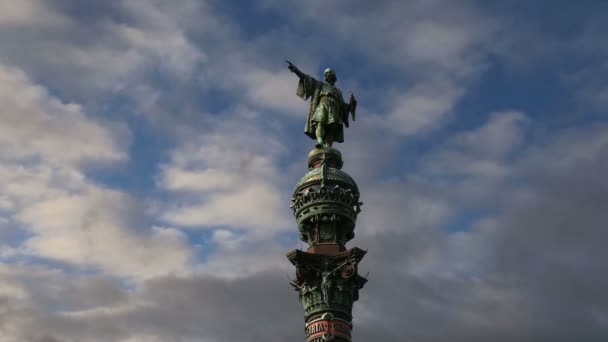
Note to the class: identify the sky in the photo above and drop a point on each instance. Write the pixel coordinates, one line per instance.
(149, 149)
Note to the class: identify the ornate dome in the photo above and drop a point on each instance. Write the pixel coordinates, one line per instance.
(326, 203)
(327, 176)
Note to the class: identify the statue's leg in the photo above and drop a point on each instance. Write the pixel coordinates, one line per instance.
(329, 135)
(320, 133)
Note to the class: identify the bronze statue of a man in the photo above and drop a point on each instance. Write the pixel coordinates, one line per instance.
(328, 112)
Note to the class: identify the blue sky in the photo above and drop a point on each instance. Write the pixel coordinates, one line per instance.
(148, 151)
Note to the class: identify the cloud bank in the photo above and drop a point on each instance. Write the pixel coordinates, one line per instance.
(148, 151)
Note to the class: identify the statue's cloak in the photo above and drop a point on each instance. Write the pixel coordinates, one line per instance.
(309, 87)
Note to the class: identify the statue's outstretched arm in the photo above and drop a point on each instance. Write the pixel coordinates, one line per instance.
(352, 105)
(294, 69)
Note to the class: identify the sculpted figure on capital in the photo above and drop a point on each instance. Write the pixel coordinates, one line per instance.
(328, 113)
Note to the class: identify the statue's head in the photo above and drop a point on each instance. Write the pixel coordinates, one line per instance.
(330, 76)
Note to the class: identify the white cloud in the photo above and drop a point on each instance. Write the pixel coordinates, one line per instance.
(423, 107)
(496, 138)
(37, 125)
(94, 229)
(165, 48)
(228, 176)
(254, 206)
(244, 255)
(111, 54)
(274, 90)
(177, 179)
(433, 41)
(481, 152)
(44, 143)
(589, 87)
(29, 12)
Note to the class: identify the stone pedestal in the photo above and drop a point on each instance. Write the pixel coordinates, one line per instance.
(326, 204)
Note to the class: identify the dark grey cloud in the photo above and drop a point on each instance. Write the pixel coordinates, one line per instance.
(534, 272)
(164, 309)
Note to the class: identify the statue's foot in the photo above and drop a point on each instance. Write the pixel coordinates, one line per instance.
(319, 145)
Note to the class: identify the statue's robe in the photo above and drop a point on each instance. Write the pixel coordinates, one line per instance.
(326, 106)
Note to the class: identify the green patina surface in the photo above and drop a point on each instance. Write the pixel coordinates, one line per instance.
(326, 204)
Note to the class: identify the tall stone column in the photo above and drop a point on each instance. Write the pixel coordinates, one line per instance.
(326, 205)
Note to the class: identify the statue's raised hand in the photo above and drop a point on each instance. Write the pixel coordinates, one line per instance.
(352, 104)
(294, 69)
